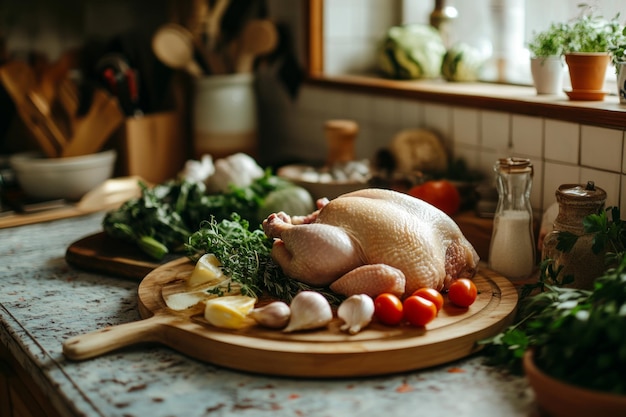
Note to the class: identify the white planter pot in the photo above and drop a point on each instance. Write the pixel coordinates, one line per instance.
(547, 73)
(621, 82)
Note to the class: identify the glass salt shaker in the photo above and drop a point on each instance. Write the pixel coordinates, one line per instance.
(512, 248)
(575, 203)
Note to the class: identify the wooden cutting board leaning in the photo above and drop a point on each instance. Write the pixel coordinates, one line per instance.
(321, 353)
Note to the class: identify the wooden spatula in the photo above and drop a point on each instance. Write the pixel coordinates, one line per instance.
(94, 129)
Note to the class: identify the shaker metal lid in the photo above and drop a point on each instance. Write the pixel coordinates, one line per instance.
(588, 191)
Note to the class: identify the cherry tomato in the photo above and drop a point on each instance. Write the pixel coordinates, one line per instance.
(388, 309)
(432, 295)
(462, 292)
(419, 311)
(440, 193)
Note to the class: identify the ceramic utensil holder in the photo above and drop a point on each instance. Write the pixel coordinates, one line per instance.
(225, 116)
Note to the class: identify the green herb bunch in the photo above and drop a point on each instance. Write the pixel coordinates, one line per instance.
(161, 220)
(245, 255)
(578, 335)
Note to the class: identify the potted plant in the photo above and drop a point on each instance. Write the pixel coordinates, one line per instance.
(546, 62)
(570, 342)
(618, 56)
(586, 45)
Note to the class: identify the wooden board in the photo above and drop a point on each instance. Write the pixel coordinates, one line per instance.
(102, 253)
(324, 353)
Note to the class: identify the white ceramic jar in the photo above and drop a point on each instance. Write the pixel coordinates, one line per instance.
(225, 115)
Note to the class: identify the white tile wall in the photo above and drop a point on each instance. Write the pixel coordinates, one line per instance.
(496, 131)
(563, 141)
(561, 152)
(527, 136)
(601, 148)
(466, 126)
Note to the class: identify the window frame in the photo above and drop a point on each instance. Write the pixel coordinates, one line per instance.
(483, 95)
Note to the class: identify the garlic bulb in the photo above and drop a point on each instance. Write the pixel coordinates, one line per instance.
(309, 310)
(357, 312)
(275, 315)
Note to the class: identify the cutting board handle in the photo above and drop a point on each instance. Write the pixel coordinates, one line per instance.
(108, 339)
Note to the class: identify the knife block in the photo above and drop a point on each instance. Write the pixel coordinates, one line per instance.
(152, 147)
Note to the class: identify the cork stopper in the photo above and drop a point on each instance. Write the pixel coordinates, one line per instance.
(514, 165)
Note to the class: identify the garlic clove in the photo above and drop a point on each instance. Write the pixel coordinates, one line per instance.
(275, 315)
(356, 311)
(309, 310)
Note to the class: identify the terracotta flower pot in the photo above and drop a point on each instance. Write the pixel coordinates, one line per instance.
(559, 399)
(587, 73)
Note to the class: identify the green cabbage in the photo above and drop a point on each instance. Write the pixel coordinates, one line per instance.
(462, 62)
(412, 51)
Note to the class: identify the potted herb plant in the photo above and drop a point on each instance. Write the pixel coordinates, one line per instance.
(618, 56)
(570, 342)
(586, 45)
(546, 62)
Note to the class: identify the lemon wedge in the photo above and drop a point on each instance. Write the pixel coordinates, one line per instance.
(229, 312)
(208, 269)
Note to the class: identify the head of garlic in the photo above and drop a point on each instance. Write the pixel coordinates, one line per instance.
(356, 311)
(274, 315)
(309, 310)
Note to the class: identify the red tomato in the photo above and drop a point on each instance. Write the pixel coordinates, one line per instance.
(419, 311)
(440, 193)
(431, 294)
(388, 309)
(462, 292)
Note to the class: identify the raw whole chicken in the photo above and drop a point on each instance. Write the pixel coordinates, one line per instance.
(372, 241)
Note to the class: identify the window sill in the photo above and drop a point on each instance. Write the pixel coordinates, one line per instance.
(498, 97)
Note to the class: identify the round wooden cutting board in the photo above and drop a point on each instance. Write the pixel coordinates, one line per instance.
(327, 352)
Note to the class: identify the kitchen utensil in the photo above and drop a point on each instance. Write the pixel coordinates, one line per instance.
(19, 81)
(93, 130)
(174, 46)
(213, 21)
(323, 353)
(109, 195)
(259, 37)
(211, 37)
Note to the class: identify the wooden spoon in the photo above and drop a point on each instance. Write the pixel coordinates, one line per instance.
(174, 46)
(258, 37)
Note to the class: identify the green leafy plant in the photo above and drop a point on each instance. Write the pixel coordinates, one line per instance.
(548, 42)
(161, 220)
(618, 52)
(578, 335)
(590, 32)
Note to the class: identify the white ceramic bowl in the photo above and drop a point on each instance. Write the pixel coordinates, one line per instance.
(318, 189)
(69, 178)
